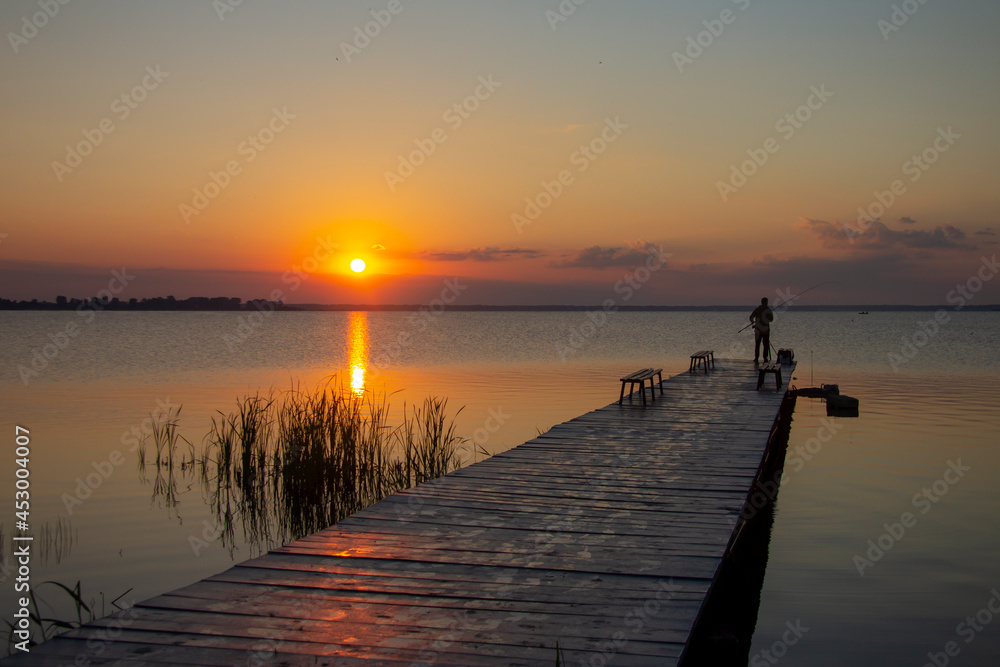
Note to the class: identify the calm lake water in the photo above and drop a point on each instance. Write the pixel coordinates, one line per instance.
(929, 419)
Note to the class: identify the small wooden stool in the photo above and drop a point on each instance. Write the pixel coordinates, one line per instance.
(701, 358)
(770, 367)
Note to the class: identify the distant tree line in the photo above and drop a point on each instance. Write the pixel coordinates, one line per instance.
(155, 303)
(222, 303)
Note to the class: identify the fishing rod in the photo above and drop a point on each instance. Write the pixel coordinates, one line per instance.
(792, 298)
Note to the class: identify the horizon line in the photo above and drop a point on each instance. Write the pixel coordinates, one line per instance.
(236, 304)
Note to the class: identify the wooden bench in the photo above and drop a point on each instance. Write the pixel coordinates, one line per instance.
(764, 369)
(640, 377)
(701, 358)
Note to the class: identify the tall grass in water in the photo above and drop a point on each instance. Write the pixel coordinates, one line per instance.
(285, 465)
(168, 458)
(429, 450)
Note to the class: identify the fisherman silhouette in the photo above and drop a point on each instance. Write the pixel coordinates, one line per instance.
(761, 318)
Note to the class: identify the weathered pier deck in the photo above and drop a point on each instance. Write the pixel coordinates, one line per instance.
(604, 534)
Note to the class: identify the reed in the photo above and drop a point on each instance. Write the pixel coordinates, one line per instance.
(285, 464)
(429, 448)
(167, 449)
(173, 459)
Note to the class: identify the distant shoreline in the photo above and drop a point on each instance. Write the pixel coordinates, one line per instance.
(232, 304)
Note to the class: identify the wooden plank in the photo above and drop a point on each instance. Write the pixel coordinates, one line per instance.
(515, 637)
(549, 552)
(575, 528)
(437, 519)
(332, 615)
(232, 593)
(558, 558)
(142, 649)
(456, 581)
(202, 649)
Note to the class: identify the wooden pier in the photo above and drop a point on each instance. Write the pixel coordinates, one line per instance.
(604, 534)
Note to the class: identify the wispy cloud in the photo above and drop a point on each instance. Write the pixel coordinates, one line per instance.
(988, 237)
(482, 255)
(599, 257)
(880, 237)
(906, 220)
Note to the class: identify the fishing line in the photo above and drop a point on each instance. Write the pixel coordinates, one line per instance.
(792, 298)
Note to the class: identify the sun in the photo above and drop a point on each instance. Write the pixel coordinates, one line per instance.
(357, 265)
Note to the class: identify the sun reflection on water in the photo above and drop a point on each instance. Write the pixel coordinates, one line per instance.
(357, 333)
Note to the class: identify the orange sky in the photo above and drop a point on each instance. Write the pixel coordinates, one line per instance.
(213, 154)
